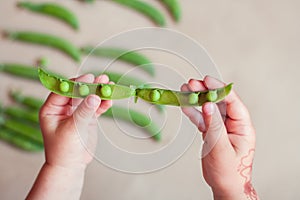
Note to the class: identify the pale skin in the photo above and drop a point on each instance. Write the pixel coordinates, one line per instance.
(227, 153)
(62, 175)
(228, 149)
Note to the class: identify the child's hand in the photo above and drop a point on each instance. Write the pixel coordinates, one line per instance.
(229, 145)
(68, 123)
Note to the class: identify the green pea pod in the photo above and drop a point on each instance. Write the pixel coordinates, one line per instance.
(173, 7)
(24, 130)
(130, 57)
(176, 98)
(137, 117)
(20, 70)
(30, 102)
(53, 10)
(47, 40)
(78, 89)
(20, 113)
(144, 8)
(23, 71)
(20, 141)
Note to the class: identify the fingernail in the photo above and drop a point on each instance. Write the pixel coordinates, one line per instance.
(191, 80)
(93, 101)
(211, 108)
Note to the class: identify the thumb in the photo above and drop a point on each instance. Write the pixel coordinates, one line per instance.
(86, 110)
(215, 136)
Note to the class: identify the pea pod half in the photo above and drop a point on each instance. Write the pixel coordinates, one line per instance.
(74, 89)
(176, 98)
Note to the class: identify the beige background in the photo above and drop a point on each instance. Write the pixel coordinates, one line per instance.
(255, 45)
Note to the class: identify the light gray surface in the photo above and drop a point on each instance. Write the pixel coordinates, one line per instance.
(255, 45)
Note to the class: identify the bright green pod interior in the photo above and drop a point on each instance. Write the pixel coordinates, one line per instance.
(79, 89)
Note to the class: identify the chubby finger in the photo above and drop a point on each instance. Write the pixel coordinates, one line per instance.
(86, 78)
(105, 104)
(192, 113)
(215, 136)
(86, 111)
(196, 85)
(235, 109)
(54, 105)
(103, 78)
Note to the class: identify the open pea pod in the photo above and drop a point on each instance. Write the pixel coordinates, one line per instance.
(74, 89)
(176, 98)
(158, 96)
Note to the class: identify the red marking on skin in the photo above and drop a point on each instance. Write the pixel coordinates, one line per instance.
(245, 170)
(250, 191)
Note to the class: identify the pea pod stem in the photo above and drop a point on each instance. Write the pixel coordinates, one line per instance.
(54, 10)
(47, 40)
(146, 9)
(124, 55)
(138, 118)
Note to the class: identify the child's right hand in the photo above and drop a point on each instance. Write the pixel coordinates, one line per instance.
(70, 124)
(229, 145)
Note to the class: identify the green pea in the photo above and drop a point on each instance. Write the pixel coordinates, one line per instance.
(106, 91)
(64, 86)
(154, 95)
(193, 98)
(212, 95)
(84, 90)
